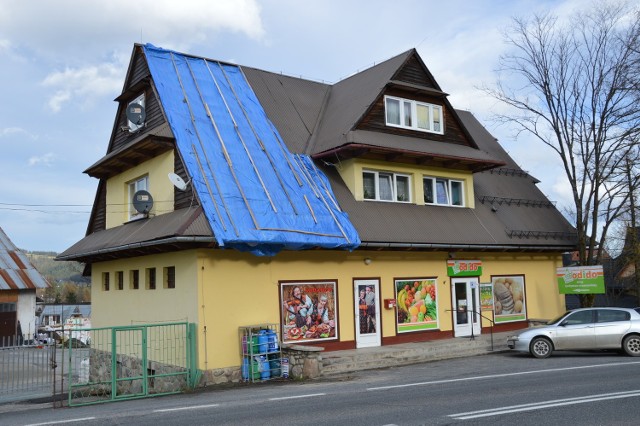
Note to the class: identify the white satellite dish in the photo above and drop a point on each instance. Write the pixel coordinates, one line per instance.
(178, 182)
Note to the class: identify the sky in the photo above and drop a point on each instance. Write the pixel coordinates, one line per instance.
(63, 62)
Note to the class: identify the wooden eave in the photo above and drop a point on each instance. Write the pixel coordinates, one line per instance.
(416, 88)
(134, 90)
(371, 152)
(132, 154)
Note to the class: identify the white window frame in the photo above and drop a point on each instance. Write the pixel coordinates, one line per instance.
(410, 121)
(133, 127)
(394, 179)
(448, 187)
(139, 184)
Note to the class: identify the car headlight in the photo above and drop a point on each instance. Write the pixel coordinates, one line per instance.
(515, 338)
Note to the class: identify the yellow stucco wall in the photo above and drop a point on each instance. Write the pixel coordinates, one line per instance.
(351, 173)
(160, 188)
(142, 306)
(222, 290)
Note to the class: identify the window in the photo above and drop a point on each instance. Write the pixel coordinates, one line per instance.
(442, 191)
(105, 281)
(170, 277)
(151, 278)
(579, 318)
(384, 186)
(120, 280)
(134, 279)
(611, 315)
(413, 115)
(134, 127)
(135, 186)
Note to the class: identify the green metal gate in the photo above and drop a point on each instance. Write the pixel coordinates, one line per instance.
(116, 363)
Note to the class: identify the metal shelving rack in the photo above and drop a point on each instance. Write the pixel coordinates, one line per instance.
(261, 352)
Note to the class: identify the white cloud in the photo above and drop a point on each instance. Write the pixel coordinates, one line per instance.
(45, 160)
(83, 84)
(13, 131)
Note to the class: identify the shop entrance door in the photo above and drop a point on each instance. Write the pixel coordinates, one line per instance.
(367, 304)
(465, 295)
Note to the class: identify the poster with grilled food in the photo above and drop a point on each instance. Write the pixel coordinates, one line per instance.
(308, 311)
(509, 298)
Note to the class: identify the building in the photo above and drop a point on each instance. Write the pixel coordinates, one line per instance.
(19, 281)
(364, 213)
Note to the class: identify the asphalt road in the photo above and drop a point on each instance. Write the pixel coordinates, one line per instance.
(494, 389)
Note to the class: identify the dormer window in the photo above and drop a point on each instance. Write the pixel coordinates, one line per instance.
(385, 186)
(134, 127)
(444, 192)
(414, 115)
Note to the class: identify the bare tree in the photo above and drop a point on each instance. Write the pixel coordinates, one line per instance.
(573, 86)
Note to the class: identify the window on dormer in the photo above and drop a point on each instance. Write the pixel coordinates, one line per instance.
(413, 115)
(445, 192)
(385, 186)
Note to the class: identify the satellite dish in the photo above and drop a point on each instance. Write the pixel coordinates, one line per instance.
(178, 182)
(142, 201)
(136, 113)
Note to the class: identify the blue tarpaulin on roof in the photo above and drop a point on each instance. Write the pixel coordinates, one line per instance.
(257, 196)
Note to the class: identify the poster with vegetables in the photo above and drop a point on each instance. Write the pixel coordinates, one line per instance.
(308, 311)
(486, 296)
(417, 308)
(508, 298)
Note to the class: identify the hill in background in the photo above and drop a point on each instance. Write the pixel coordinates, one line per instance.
(68, 284)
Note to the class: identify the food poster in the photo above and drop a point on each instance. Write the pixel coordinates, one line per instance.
(367, 309)
(308, 311)
(417, 307)
(508, 298)
(486, 296)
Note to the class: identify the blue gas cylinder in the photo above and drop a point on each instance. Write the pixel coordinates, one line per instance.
(272, 338)
(265, 370)
(263, 341)
(274, 364)
(245, 369)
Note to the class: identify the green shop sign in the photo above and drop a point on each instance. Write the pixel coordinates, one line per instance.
(464, 268)
(581, 280)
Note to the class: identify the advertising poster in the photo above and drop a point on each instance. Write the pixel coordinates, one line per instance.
(486, 297)
(508, 298)
(581, 280)
(417, 308)
(308, 311)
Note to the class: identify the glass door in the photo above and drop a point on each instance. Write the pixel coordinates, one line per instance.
(465, 296)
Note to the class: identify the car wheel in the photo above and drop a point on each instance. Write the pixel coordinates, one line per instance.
(631, 345)
(541, 347)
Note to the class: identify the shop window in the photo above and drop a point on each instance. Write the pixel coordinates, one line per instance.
(134, 279)
(445, 192)
(169, 277)
(151, 278)
(386, 186)
(105, 281)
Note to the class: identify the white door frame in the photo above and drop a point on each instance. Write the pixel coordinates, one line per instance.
(465, 303)
(367, 321)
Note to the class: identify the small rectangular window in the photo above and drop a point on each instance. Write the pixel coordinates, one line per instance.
(105, 281)
(413, 115)
(393, 111)
(134, 186)
(134, 279)
(151, 278)
(120, 280)
(402, 188)
(170, 277)
(456, 193)
(369, 184)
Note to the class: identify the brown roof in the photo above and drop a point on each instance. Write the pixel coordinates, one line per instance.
(16, 271)
(179, 230)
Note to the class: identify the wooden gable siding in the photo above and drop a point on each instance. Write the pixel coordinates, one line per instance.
(414, 73)
(374, 120)
(98, 220)
(186, 198)
(139, 83)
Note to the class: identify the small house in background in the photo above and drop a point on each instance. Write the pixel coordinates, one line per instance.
(54, 315)
(19, 280)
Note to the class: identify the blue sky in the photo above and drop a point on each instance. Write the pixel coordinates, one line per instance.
(64, 61)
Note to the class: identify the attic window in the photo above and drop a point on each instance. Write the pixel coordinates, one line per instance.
(134, 127)
(444, 192)
(414, 115)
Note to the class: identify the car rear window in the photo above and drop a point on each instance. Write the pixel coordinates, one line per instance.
(612, 315)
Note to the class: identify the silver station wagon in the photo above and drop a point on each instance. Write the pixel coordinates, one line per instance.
(582, 329)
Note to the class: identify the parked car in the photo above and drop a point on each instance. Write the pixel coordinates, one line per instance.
(582, 329)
